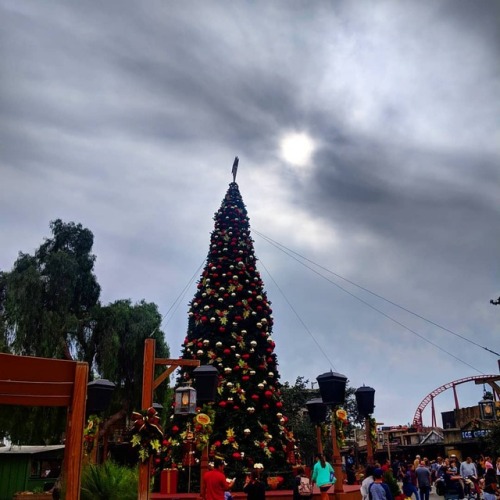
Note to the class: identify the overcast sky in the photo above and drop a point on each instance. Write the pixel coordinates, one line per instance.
(368, 138)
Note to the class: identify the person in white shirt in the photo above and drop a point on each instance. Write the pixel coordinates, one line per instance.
(365, 484)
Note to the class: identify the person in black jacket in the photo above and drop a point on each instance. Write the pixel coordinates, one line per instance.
(254, 487)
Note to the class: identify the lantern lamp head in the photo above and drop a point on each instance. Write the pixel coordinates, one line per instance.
(185, 401)
(487, 409)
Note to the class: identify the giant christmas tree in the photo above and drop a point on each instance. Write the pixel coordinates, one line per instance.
(230, 324)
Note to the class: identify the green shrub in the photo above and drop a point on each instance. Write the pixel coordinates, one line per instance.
(109, 481)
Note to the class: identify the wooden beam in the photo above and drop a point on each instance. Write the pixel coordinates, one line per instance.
(163, 376)
(30, 368)
(22, 387)
(75, 425)
(147, 401)
(177, 362)
(34, 400)
(174, 363)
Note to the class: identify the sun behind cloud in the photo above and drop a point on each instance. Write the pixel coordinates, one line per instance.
(297, 148)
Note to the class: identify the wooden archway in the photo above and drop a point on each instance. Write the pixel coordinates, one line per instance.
(30, 381)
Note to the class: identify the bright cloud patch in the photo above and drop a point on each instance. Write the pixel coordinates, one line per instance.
(297, 149)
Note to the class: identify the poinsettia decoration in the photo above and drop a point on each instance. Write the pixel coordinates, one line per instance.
(340, 421)
(90, 433)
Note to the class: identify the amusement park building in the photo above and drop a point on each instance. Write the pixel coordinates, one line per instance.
(461, 432)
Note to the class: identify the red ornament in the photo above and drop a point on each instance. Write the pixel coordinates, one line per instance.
(255, 397)
(222, 404)
(227, 351)
(175, 429)
(268, 394)
(271, 449)
(237, 455)
(279, 404)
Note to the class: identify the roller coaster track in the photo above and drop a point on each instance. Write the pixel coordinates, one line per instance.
(478, 379)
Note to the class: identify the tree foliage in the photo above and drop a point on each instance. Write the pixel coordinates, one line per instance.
(295, 398)
(49, 307)
(50, 298)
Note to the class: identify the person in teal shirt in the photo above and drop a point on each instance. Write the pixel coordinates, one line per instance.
(323, 476)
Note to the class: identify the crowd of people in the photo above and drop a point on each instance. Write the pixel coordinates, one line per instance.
(473, 479)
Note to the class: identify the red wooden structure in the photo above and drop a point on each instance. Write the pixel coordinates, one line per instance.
(30, 381)
(149, 384)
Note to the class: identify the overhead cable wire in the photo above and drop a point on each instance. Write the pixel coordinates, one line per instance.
(280, 245)
(175, 305)
(269, 240)
(297, 314)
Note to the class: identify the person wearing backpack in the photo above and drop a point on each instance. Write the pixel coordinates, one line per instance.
(302, 486)
(378, 490)
(367, 481)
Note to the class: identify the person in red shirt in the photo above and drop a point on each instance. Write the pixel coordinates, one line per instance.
(215, 483)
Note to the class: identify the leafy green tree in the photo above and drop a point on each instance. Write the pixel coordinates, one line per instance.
(294, 399)
(50, 297)
(49, 307)
(120, 331)
(490, 444)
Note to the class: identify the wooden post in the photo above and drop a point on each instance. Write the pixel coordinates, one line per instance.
(147, 401)
(149, 384)
(32, 381)
(318, 438)
(369, 447)
(337, 460)
(203, 465)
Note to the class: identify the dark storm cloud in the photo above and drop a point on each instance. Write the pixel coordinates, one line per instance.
(126, 117)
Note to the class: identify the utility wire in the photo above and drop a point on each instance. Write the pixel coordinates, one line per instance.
(175, 305)
(269, 240)
(280, 246)
(297, 314)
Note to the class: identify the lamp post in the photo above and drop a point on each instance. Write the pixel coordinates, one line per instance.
(332, 389)
(365, 400)
(206, 380)
(99, 393)
(317, 413)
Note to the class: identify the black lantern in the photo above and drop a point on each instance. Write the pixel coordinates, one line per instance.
(332, 388)
(185, 400)
(487, 408)
(158, 407)
(365, 400)
(206, 380)
(317, 410)
(99, 394)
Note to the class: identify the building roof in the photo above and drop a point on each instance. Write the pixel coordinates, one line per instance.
(29, 450)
